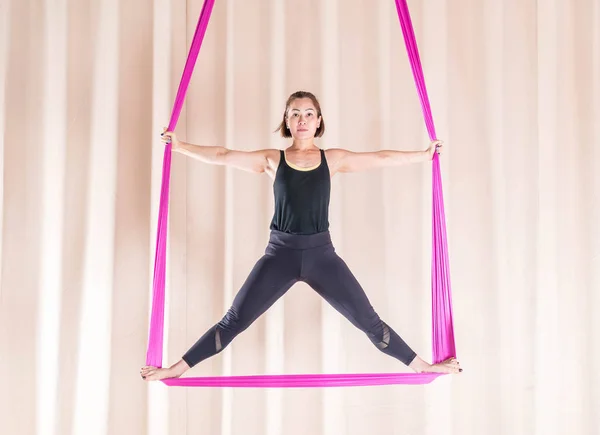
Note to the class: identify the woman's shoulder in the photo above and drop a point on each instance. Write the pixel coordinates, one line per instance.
(273, 156)
(272, 152)
(334, 151)
(334, 154)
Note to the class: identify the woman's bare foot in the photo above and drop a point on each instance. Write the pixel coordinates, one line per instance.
(450, 365)
(150, 373)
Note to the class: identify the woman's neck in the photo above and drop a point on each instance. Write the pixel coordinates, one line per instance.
(303, 145)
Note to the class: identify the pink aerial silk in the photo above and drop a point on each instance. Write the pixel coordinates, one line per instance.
(442, 324)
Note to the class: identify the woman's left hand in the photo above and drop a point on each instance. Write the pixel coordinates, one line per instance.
(436, 145)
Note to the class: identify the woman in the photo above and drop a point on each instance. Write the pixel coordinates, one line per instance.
(300, 247)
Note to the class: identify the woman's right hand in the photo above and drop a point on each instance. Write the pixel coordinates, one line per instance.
(170, 137)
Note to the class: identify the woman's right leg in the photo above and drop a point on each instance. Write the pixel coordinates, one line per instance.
(271, 278)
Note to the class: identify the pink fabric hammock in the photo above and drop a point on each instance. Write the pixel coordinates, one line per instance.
(442, 324)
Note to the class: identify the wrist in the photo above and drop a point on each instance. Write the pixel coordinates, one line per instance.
(182, 147)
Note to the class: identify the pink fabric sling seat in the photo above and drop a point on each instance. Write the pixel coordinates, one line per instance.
(442, 323)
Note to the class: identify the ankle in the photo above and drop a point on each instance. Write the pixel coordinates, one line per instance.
(418, 365)
(179, 368)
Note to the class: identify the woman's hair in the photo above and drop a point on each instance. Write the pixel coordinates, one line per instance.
(284, 131)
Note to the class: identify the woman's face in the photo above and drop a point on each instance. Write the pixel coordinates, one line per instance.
(302, 119)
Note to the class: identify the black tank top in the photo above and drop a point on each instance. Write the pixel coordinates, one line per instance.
(301, 198)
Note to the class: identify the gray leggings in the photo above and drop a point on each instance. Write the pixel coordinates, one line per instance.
(288, 259)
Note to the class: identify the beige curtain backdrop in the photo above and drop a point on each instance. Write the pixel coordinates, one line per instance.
(87, 87)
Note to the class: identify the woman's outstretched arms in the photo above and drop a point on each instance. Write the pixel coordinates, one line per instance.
(251, 161)
(341, 160)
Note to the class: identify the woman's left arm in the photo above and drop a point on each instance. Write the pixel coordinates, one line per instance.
(341, 160)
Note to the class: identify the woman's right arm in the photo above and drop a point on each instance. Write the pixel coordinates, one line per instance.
(251, 161)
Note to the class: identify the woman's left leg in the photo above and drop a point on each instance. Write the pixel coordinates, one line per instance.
(329, 276)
